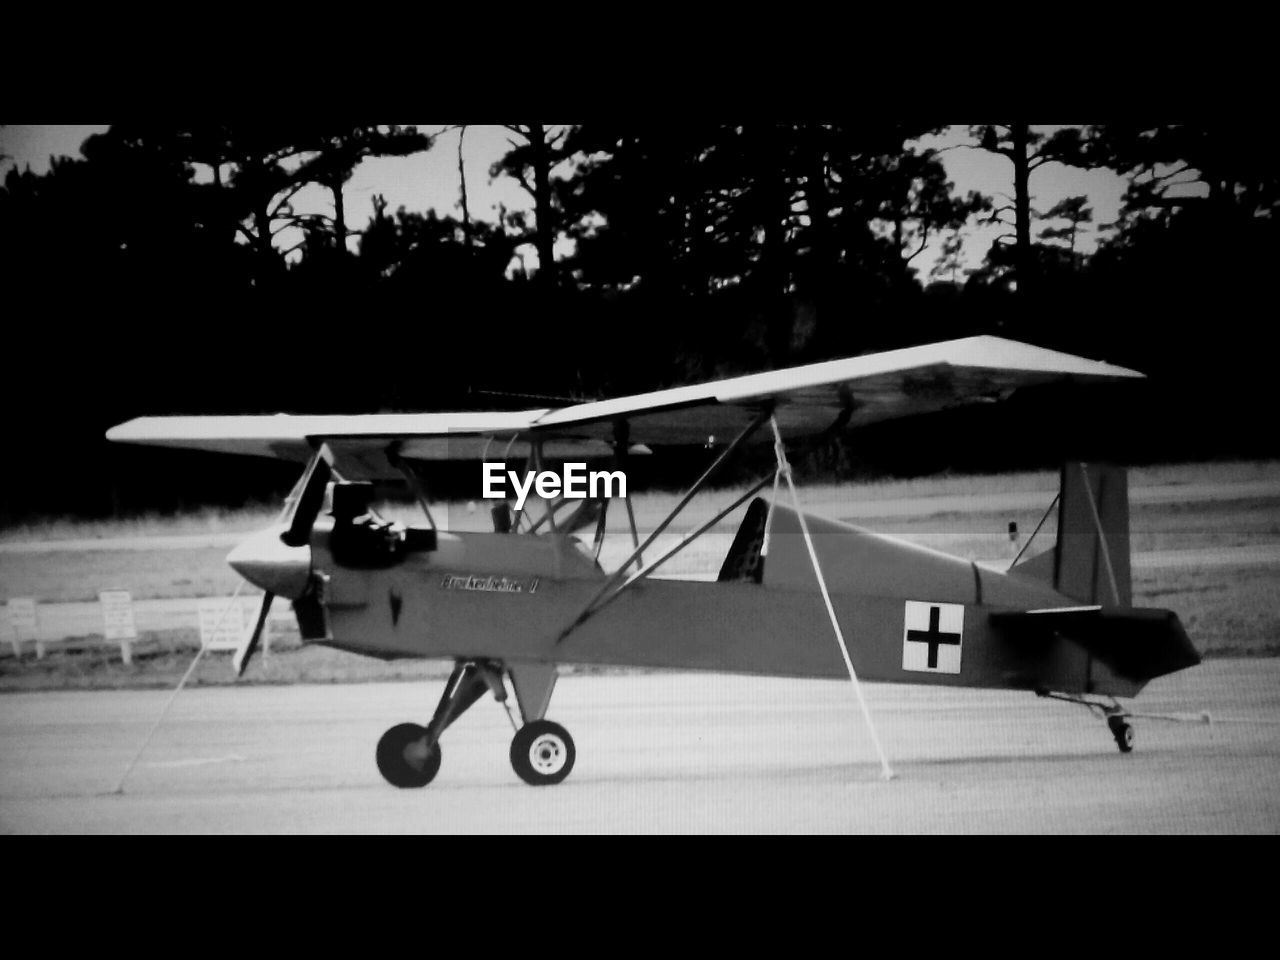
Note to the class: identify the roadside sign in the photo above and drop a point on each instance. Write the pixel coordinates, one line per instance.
(222, 622)
(23, 624)
(117, 620)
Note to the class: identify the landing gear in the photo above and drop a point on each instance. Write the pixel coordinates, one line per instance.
(1117, 717)
(406, 758)
(1122, 730)
(409, 755)
(542, 753)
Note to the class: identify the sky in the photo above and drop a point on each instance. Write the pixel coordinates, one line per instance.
(972, 169)
(430, 180)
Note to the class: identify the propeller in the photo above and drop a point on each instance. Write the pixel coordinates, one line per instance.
(242, 656)
(280, 562)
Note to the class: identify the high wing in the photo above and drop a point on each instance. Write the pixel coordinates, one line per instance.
(359, 442)
(806, 400)
(813, 398)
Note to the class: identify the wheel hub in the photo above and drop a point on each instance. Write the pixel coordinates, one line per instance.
(547, 754)
(416, 753)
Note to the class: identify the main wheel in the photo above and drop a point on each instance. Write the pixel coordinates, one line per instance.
(404, 758)
(542, 753)
(1122, 730)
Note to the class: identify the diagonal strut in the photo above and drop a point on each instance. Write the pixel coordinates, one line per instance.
(784, 469)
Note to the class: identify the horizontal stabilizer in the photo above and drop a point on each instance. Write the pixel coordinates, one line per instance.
(1140, 644)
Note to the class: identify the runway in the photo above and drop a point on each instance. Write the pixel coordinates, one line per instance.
(656, 753)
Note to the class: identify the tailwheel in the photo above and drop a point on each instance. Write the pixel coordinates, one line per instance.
(405, 758)
(542, 753)
(1122, 730)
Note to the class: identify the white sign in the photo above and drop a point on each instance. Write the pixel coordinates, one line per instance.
(117, 615)
(22, 624)
(932, 636)
(222, 623)
(22, 618)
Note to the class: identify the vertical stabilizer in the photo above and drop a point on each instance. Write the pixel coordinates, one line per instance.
(1090, 561)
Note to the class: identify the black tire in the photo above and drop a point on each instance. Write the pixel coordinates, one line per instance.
(542, 753)
(402, 767)
(1122, 730)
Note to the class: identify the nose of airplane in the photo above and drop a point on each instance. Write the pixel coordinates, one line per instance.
(267, 562)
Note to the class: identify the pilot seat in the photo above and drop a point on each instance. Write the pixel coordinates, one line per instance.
(361, 539)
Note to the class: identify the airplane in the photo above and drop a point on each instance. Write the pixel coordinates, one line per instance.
(515, 604)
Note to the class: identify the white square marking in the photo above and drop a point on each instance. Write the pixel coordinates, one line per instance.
(932, 635)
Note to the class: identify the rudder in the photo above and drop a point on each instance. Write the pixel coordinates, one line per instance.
(1090, 561)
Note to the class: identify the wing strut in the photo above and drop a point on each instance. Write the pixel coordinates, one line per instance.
(411, 477)
(614, 586)
(621, 451)
(600, 604)
(784, 470)
(1026, 545)
(1102, 536)
(635, 534)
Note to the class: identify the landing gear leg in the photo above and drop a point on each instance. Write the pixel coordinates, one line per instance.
(542, 752)
(408, 755)
(1122, 730)
(1117, 717)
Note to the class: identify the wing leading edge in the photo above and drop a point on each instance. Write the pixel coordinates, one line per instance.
(812, 398)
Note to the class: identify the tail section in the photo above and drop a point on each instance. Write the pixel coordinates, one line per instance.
(1090, 564)
(1090, 561)
(1138, 644)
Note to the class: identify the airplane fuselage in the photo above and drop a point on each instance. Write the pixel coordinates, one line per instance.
(908, 614)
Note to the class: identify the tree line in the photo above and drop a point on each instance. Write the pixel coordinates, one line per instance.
(150, 275)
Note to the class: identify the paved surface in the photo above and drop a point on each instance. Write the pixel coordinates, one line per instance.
(656, 753)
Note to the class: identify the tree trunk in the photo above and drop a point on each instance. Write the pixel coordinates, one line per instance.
(773, 255)
(545, 238)
(815, 194)
(462, 180)
(339, 214)
(262, 246)
(225, 225)
(822, 253)
(1022, 206)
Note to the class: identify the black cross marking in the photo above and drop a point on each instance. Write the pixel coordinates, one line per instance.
(933, 637)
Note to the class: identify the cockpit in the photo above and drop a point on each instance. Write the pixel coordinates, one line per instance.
(361, 539)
